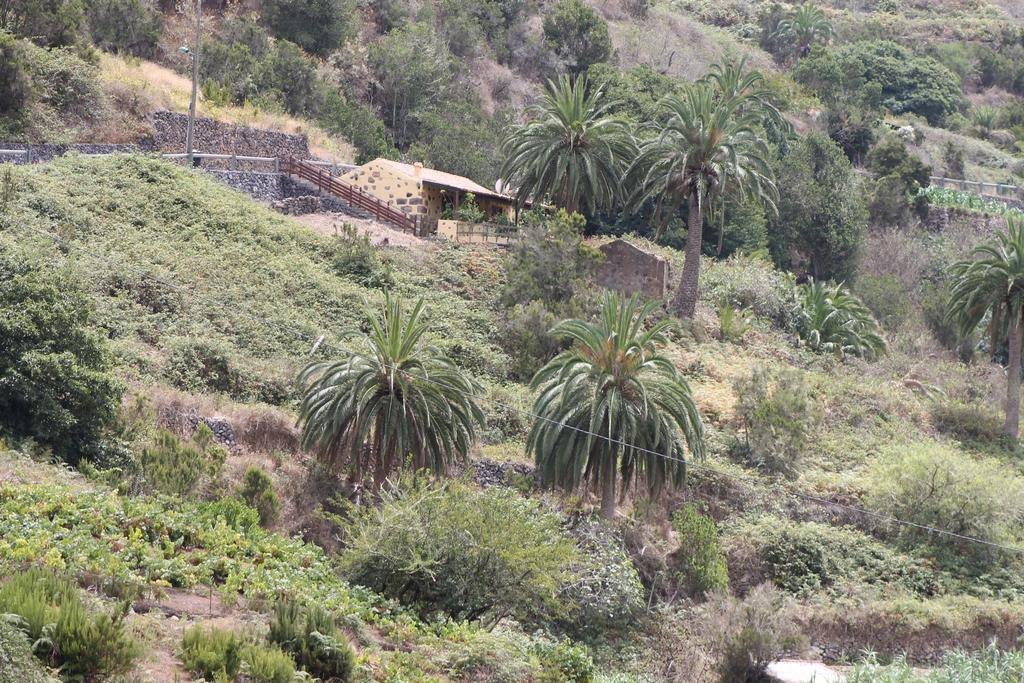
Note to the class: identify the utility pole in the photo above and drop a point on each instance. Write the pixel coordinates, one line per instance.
(194, 53)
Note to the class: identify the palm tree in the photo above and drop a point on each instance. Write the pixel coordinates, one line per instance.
(803, 26)
(399, 401)
(613, 402)
(991, 284)
(572, 151)
(707, 146)
(832, 320)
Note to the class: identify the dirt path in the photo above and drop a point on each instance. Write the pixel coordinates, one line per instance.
(162, 623)
(799, 671)
(325, 223)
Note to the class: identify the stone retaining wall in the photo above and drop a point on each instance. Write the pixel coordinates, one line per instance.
(630, 270)
(46, 152)
(266, 187)
(214, 137)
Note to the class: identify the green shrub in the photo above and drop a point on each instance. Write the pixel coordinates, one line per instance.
(312, 637)
(940, 487)
(746, 635)
(602, 591)
(807, 557)
(733, 322)
(699, 562)
(15, 85)
(91, 647)
(67, 84)
(127, 26)
(317, 26)
(48, 22)
(202, 364)
(777, 414)
(550, 263)
(821, 219)
(236, 514)
(353, 256)
(887, 298)
(212, 652)
(170, 466)
(564, 662)
(51, 613)
(526, 337)
(749, 283)
(16, 660)
(414, 547)
(578, 34)
(257, 491)
(56, 383)
(267, 665)
(968, 422)
(991, 665)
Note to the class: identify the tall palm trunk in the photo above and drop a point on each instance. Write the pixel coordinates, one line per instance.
(608, 488)
(685, 300)
(1012, 425)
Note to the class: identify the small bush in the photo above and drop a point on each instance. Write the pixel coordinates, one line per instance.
(173, 467)
(940, 487)
(563, 662)
(202, 364)
(777, 413)
(85, 646)
(353, 256)
(807, 557)
(749, 283)
(214, 653)
(968, 422)
(128, 26)
(414, 547)
(234, 513)
(699, 562)
(311, 636)
(887, 298)
(747, 635)
(16, 660)
(526, 337)
(602, 591)
(267, 665)
(733, 322)
(257, 491)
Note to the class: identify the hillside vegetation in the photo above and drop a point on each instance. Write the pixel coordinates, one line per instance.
(234, 448)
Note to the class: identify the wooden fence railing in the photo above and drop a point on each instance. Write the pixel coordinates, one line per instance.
(350, 194)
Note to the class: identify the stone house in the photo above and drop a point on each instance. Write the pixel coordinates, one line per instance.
(420, 191)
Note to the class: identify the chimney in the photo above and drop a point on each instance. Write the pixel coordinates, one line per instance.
(417, 169)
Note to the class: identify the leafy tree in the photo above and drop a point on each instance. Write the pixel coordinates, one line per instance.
(414, 69)
(821, 215)
(571, 151)
(317, 26)
(475, 135)
(550, 263)
(15, 84)
(257, 491)
(882, 73)
(131, 26)
(900, 176)
(708, 145)
(803, 26)
(577, 34)
(699, 561)
(831, 320)
(634, 94)
(50, 23)
(990, 286)
(56, 384)
(400, 402)
(615, 384)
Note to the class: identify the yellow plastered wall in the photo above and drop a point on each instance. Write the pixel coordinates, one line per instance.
(392, 186)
